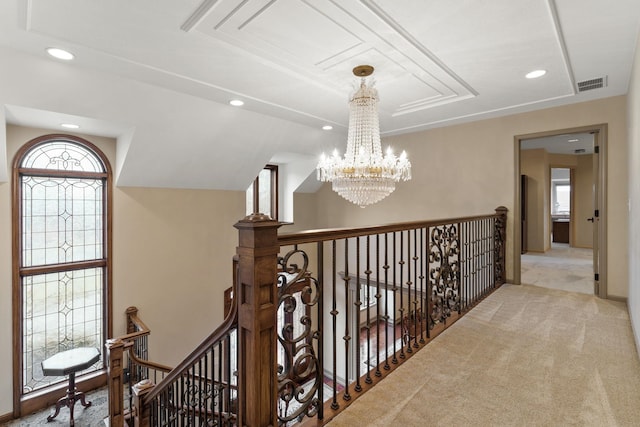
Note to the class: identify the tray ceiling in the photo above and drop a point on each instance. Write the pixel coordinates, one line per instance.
(162, 71)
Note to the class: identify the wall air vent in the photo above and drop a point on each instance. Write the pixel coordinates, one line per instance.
(592, 84)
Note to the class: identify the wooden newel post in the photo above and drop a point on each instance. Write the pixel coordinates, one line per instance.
(131, 311)
(114, 355)
(257, 306)
(500, 238)
(142, 417)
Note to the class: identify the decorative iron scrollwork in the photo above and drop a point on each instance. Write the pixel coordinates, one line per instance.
(299, 376)
(499, 238)
(444, 272)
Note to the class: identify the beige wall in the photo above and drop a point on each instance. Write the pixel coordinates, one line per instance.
(6, 360)
(172, 255)
(633, 115)
(304, 213)
(470, 169)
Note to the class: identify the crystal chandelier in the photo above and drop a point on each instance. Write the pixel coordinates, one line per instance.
(364, 176)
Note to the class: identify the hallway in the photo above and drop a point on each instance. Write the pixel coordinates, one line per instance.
(562, 267)
(526, 355)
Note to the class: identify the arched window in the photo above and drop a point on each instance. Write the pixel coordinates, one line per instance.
(62, 237)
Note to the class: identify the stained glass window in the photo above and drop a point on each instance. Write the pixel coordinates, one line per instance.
(62, 236)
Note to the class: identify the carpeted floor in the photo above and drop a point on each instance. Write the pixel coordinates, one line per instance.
(92, 416)
(525, 356)
(561, 267)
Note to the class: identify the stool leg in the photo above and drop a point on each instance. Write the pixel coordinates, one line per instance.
(80, 395)
(68, 400)
(55, 414)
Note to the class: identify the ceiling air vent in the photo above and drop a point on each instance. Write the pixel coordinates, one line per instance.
(592, 84)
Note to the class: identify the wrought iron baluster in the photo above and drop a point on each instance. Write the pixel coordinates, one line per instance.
(466, 233)
(320, 340)
(385, 267)
(394, 360)
(368, 273)
(216, 401)
(409, 284)
(475, 261)
(402, 309)
(485, 252)
(378, 296)
(422, 291)
(334, 314)
(492, 252)
(346, 338)
(486, 256)
(415, 301)
(358, 305)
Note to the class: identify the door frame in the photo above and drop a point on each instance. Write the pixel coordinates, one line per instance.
(600, 132)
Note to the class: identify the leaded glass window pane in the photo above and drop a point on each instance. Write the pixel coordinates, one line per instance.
(61, 220)
(62, 155)
(61, 311)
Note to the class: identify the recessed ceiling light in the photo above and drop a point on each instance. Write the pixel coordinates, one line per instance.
(535, 74)
(327, 127)
(236, 103)
(60, 53)
(69, 126)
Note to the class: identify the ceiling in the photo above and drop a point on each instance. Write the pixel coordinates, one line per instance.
(574, 143)
(157, 75)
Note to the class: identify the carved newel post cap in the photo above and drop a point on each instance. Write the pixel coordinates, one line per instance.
(111, 342)
(256, 217)
(142, 385)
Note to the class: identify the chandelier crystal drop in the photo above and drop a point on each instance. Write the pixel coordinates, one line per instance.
(364, 176)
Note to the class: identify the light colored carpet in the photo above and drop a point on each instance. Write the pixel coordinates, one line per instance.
(525, 356)
(561, 267)
(93, 416)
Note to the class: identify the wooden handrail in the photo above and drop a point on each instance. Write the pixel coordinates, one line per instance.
(145, 363)
(321, 235)
(134, 322)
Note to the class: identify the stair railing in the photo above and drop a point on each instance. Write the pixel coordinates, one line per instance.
(227, 381)
(319, 317)
(127, 365)
(355, 303)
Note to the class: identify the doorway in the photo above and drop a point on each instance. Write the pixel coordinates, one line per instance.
(561, 239)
